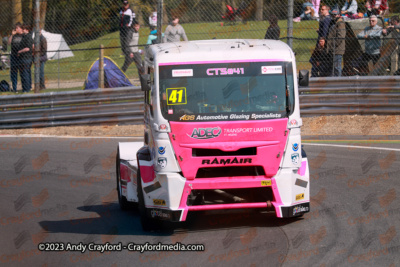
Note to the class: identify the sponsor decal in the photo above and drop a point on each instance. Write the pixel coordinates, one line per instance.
(159, 202)
(170, 111)
(226, 161)
(239, 117)
(214, 117)
(235, 131)
(205, 133)
(162, 162)
(176, 96)
(224, 71)
(152, 187)
(163, 127)
(301, 183)
(300, 209)
(187, 118)
(299, 197)
(265, 116)
(293, 122)
(160, 214)
(266, 183)
(295, 158)
(161, 150)
(182, 73)
(271, 69)
(295, 146)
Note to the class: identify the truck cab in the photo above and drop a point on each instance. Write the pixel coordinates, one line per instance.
(222, 131)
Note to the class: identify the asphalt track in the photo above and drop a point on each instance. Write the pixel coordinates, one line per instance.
(63, 190)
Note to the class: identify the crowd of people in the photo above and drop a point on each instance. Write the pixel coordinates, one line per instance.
(326, 60)
(22, 57)
(129, 35)
(350, 9)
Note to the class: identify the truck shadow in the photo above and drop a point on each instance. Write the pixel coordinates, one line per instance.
(109, 220)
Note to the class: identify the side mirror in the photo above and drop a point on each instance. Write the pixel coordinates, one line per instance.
(145, 82)
(303, 78)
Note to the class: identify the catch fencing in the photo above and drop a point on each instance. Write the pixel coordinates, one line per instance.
(324, 96)
(85, 25)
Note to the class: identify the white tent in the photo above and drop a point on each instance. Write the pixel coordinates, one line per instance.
(56, 46)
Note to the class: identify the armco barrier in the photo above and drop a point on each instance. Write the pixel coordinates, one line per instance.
(363, 95)
(324, 96)
(89, 107)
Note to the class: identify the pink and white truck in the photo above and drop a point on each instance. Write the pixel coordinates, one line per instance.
(222, 131)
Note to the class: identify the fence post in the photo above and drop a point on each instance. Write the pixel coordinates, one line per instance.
(290, 24)
(101, 67)
(159, 20)
(37, 47)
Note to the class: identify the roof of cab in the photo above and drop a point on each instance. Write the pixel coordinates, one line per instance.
(221, 50)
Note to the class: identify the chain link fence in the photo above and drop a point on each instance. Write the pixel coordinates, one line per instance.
(76, 29)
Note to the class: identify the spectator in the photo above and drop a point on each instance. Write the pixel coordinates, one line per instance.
(15, 60)
(315, 4)
(308, 13)
(127, 16)
(380, 7)
(152, 39)
(133, 54)
(372, 36)
(368, 7)
(394, 29)
(350, 10)
(394, 26)
(25, 54)
(42, 60)
(273, 31)
(153, 19)
(174, 32)
(319, 60)
(336, 42)
(324, 22)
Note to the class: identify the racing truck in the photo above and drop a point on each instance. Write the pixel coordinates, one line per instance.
(222, 131)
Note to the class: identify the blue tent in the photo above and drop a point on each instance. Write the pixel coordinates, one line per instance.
(113, 75)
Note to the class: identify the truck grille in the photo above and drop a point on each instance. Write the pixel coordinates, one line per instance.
(200, 152)
(214, 172)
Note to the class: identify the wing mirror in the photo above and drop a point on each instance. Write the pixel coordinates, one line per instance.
(304, 77)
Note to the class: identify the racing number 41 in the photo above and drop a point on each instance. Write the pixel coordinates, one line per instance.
(176, 96)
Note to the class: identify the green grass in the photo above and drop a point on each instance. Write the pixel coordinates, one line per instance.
(74, 69)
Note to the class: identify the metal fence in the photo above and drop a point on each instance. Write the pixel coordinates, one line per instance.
(324, 96)
(91, 107)
(82, 26)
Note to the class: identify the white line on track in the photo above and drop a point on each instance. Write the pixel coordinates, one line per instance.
(362, 147)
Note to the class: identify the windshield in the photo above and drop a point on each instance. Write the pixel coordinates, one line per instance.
(226, 91)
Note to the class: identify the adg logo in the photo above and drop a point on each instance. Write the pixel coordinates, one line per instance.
(205, 133)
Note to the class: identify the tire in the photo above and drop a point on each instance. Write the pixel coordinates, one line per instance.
(148, 224)
(303, 152)
(124, 204)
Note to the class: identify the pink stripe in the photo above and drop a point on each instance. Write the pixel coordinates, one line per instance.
(124, 172)
(222, 61)
(277, 210)
(184, 215)
(302, 169)
(229, 206)
(147, 173)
